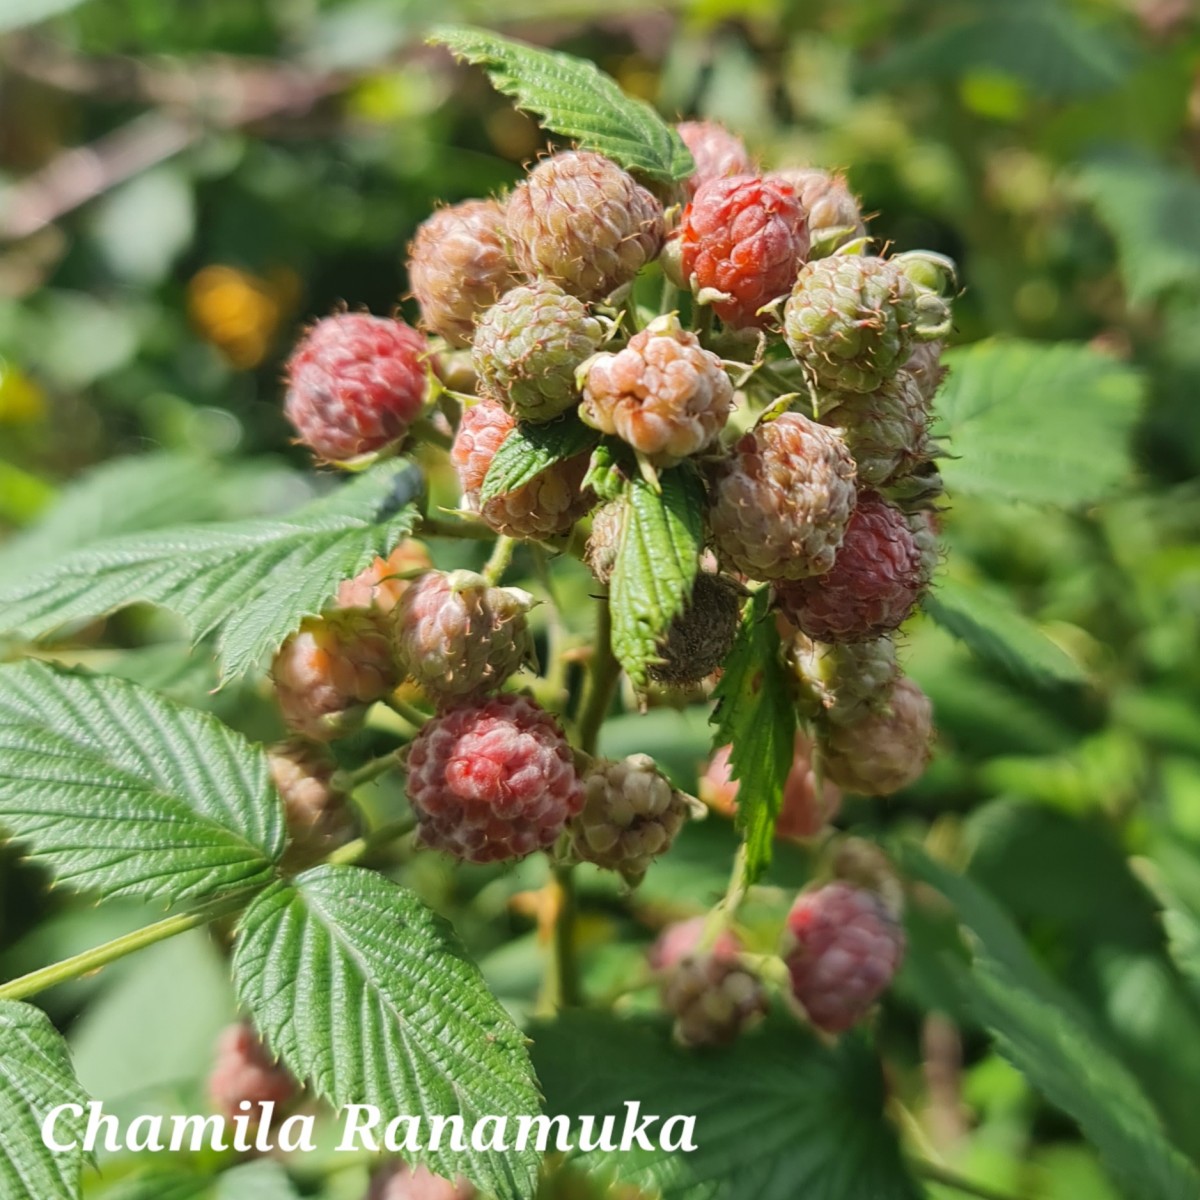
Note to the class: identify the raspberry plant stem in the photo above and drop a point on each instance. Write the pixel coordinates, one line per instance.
(499, 559)
(79, 965)
(951, 1179)
(448, 527)
(362, 848)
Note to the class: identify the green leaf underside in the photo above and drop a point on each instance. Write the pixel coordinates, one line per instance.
(530, 449)
(756, 715)
(656, 564)
(999, 634)
(1050, 1038)
(253, 580)
(36, 1076)
(366, 993)
(262, 1180)
(778, 1115)
(575, 99)
(1048, 424)
(129, 794)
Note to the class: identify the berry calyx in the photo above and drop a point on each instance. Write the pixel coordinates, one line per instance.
(743, 241)
(663, 394)
(457, 636)
(781, 501)
(548, 505)
(580, 221)
(842, 948)
(330, 669)
(355, 383)
(493, 780)
(872, 588)
(458, 265)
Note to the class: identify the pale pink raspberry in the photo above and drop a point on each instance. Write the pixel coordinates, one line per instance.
(330, 669)
(244, 1071)
(548, 505)
(458, 266)
(873, 586)
(381, 585)
(842, 948)
(884, 751)
(355, 384)
(781, 501)
(833, 213)
(399, 1181)
(318, 813)
(663, 393)
(580, 221)
(492, 781)
(717, 153)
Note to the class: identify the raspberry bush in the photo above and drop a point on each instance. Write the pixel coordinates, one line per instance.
(574, 741)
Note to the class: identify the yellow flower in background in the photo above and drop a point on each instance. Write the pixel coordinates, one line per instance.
(22, 402)
(239, 313)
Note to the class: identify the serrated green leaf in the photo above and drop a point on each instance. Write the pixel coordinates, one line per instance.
(1043, 45)
(987, 621)
(1137, 199)
(367, 994)
(778, 1116)
(1044, 423)
(1050, 1039)
(656, 565)
(35, 1077)
(756, 715)
(129, 794)
(253, 580)
(530, 449)
(576, 99)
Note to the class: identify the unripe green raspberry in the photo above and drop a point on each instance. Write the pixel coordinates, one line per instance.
(528, 345)
(851, 321)
(924, 364)
(780, 503)
(458, 265)
(885, 750)
(457, 636)
(702, 635)
(630, 816)
(834, 215)
(843, 683)
(580, 221)
(924, 528)
(886, 430)
(663, 394)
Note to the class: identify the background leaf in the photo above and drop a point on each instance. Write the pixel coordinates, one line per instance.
(366, 993)
(36, 1076)
(121, 791)
(756, 714)
(779, 1115)
(999, 634)
(530, 448)
(254, 580)
(572, 97)
(656, 565)
(1049, 424)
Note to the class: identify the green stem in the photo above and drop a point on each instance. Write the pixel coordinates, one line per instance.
(499, 559)
(448, 527)
(556, 665)
(349, 780)
(414, 716)
(562, 977)
(92, 960)
(952, 1179)
(363, 847)
(723, 913)
(602, 680)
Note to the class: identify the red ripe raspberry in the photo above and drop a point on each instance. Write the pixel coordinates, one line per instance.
(842, 949)
(355, 384)
(493, 781)
(803, 815)
(381, 585)
(663, 393)
(580, 221)
(547, 505)
(330, 668)
(402, 1182)
(458, 265)
(873, 586)
(886, 749)
(780, 503)
(244, 1072)
(458, 636)
(745, 238)
(712, 997)
(717, 152)
(319, 818)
